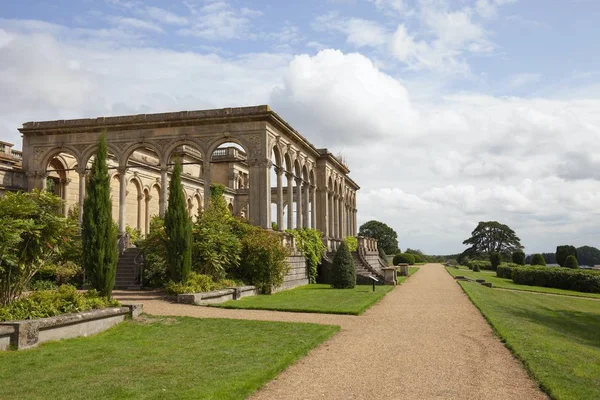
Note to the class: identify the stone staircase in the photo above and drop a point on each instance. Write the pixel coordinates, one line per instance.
(362, 271)
(127, 270)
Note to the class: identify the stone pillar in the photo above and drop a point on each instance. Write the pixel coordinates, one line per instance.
(140, 211)
(299, 224)
(306, 204)
(324, 212)
(340, 216)
(162, 202)
(259, 196)
(65, 184)
(290, 201)
(147, 198)
(279, 172)
(122, 198)
(206, 175)
(336, 220)
(313, 199)
(42, 180)
(82, 177)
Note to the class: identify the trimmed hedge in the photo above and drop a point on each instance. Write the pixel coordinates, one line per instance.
(495, 260)
(403, 258)
(571, 262)
(538, 259)
(481, 264)
(559, 278)
(505, 270)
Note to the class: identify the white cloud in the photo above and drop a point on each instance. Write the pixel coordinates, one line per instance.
(126, 22)
(358, 32)
(165, 17)
(523, 79)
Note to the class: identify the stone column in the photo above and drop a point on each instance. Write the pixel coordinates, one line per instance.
(336, 220)
(306, 204)
(206, 176)
(313, 199)
(82, 177)
(340, 217)
(162, 202)
(259, 196)
(42, 179)
(122, 198)
(65, 184)
(140, 211)
(147, 198)
(299, 224)
(279, 172)
(290, 201)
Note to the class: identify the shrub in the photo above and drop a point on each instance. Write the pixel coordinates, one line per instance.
(264, 259)
(198, 283)
(538, 259)
(309, 243)
(571, 262)
(418, 258)
(49, 303)
(351, 242)
(487, 265)
(155, 254)
(42, 285)
(560, 278)
(63, 273)
(178, 230)
(505, 270)
(495, 260)
(562, 252)
(403, 258)
(518, 257)
(476, 268)
(343, 272)
(451, 262)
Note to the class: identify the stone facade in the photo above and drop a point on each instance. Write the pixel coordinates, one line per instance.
(12, 177)
(266, 165)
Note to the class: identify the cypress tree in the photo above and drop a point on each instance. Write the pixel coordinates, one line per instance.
(98, 231)
(343, 271)
(178, 229)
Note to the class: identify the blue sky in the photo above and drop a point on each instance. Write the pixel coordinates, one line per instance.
(449, 112)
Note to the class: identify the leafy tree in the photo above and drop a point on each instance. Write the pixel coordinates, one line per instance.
(571, 262)
(587, 255)
(518, 257)
(178, 230)
(31, 234)
(343, 271)
(386, 237)
(98, 231)
(495, 259)
(562, 252)
(538, 259)
(217, 244)
(491, 236)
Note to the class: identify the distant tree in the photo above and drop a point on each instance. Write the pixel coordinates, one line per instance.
(386, 237)
(571, 262)
(538, 259)
(98, 231)
(562, 252)
(550, 258)
(495, 259)
(518, 257)
(343, 271)
(178, 230)
(491, 236)
(587, 255)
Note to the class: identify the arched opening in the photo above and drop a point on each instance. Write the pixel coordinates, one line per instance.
(312, 199)
(276, 179)
(298, 195)
(229, 167)
(112, 163)
(134, 205)
(305, 198)
(288, 216)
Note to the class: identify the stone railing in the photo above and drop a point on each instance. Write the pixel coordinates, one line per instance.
(289, 241)
(367, 245)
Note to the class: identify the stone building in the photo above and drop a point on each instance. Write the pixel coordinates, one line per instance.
(11, 171)
(273, 175)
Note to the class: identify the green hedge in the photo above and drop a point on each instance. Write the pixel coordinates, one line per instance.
(481, 264)
(403, 258)
(560, 278)
(505, 270)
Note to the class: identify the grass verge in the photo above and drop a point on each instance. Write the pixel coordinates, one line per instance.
(183, 358)
(315, 298)
(412, 270)
(555, 337)
(504, 283)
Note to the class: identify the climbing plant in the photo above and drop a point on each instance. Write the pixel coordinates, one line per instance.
(309, 243)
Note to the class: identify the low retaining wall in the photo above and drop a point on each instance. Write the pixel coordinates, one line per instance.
(298, 274)
(30, 333)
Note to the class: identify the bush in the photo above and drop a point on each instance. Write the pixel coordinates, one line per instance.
(155, 254)
(351, 242)
(343, 271)
(42, 285)
(403, 258)
(518, 257)
(65, 273)
(505, 270)
(571, 262)
(560, 278)
(476, 268)
(198, 283)
(562, 252)
(487, 265)
(451, 262)
(538, 259)
(418, 258)
(309, 243)
(495, 260)
(49, 303)
(264, 259)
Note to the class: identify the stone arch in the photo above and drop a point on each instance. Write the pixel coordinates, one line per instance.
(192, 142)
(54, 152)
(214, 145)
(134, 204)
(154, 200)
(113, 150)
(128, 151)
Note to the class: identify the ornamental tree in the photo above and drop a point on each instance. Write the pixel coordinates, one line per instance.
(98, 231)
(386, 237)
(343, 271)
(491, 236)
(518, 257)
(178, 230)
(562, 252)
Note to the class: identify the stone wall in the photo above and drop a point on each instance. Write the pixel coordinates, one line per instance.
(298, 274)
(12, 180)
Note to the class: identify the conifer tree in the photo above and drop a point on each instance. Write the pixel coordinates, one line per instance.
(343, 271)
(178, 229)
(98, 231)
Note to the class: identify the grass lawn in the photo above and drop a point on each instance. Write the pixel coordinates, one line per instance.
(166, 358)
(316, 298)
(557, 338)
(412, 271)
(490, 276)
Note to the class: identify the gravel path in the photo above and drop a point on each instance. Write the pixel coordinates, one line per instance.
(424, 340)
